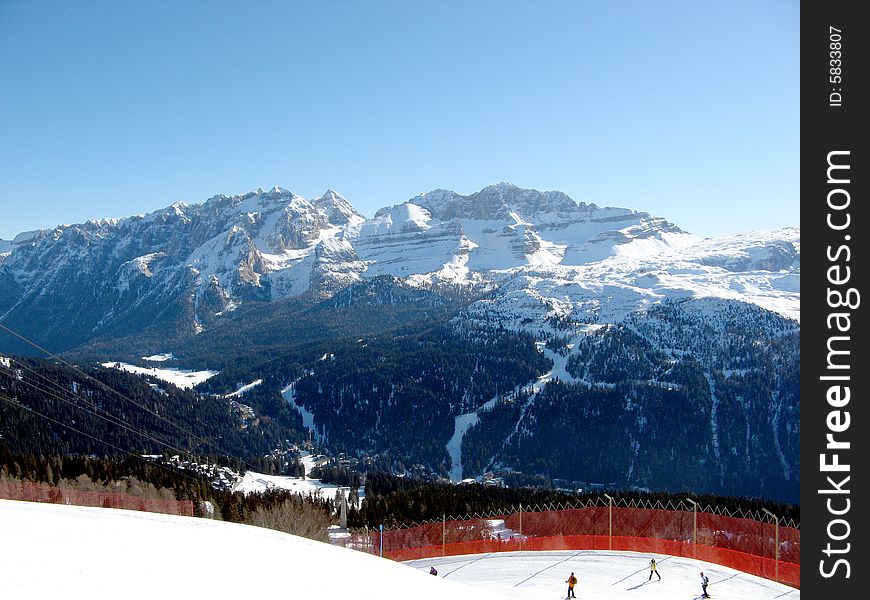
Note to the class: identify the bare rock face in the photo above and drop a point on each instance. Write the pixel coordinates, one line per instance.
(336, 266)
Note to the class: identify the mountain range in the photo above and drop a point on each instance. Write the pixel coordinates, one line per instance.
(545, 305)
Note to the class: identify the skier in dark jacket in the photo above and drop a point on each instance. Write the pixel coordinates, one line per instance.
(433, 571)
(652, 569)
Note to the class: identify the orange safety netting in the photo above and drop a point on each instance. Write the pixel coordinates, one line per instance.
(741, 543)
(41, 492)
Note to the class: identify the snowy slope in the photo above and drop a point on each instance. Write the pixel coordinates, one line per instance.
(601, 575)
(182, 378)
(74, 552)
(71, 551)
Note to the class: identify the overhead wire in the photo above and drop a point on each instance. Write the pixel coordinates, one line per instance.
(21, 406)
(108, 417)
(200, 439)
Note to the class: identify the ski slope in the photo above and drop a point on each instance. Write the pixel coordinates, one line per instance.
(602, 575)
(72, 552)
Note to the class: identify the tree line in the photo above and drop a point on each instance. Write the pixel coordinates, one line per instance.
(397, 501)
(308, 516)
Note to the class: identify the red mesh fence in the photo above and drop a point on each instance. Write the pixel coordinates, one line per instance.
(42, 492)
(745, 544)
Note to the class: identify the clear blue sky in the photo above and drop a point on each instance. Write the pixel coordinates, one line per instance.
(687, 110)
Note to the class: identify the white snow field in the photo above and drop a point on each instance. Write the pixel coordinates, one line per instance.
(182, 378)
(51, 551)
(602, 575)
(253, 482)
(71, 552)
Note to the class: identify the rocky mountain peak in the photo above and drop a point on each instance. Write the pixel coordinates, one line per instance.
(337, 208)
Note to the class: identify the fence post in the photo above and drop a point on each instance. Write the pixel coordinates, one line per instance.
(382, 539)
(609, 522)
(521, 519)
(443, 534)
(776, 543)
(694, 527)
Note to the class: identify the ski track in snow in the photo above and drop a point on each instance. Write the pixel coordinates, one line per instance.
(462, 424)
(289, 394)
(244, 389)
(775, 426)
(61, 551)
(558, 371)
(714, 424)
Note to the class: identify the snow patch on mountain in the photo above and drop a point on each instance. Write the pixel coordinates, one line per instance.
(643, 273)
(258, 483)
(714, 422)
(181, 378)
(245, 388)
(339, 210)
(336, 266)
(163, 357)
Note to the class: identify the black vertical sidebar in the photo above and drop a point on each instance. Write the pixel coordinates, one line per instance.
(835, 345)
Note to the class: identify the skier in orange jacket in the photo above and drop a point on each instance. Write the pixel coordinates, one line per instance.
(571, 581)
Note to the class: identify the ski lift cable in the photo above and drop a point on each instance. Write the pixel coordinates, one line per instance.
(93, 437)
(184, 430)
(106, 416)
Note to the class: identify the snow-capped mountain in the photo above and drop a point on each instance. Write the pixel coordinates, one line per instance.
(499, 229)
(179, 267)
(476, 319)
(190, 264)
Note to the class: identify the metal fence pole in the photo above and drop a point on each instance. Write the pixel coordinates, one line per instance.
(694, 526)
(776, 543)
(443, 534)
(609, 522)
(382, 539)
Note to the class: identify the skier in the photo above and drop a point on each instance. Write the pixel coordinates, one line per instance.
(704, 582)
(571, 581)
(433, 571)
(652, 569)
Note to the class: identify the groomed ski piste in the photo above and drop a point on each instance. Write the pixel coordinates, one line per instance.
(602, 575)
(58, 551)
